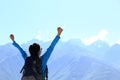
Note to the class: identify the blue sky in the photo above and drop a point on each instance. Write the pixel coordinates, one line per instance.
(81, 19)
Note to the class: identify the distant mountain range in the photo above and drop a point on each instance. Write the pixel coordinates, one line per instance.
(71, 60)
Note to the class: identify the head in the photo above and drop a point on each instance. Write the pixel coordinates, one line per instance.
(35, 50)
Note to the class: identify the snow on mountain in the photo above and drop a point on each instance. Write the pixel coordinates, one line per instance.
(99, 47)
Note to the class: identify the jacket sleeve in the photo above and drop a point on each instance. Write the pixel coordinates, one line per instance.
(23, 53)
(47, 54)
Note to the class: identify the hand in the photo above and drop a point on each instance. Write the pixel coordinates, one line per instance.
(59, 30)
(12, 37)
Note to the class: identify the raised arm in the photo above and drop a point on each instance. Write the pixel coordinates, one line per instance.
(23, 53)
(47, 54)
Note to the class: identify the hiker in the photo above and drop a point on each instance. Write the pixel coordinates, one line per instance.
(35, 67)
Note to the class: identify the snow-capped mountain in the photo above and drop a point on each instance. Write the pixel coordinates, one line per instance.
(69, 61)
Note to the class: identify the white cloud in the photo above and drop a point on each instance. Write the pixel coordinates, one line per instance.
(100, 36)
(118, 42)
(38, 36)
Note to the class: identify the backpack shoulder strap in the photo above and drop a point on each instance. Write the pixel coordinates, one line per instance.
(23, 65)
(22, 69)
(46, 72)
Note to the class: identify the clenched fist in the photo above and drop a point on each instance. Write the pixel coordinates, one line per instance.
(59, 30)
(12, 37)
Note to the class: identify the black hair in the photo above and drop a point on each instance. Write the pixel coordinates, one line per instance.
(34, 49)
